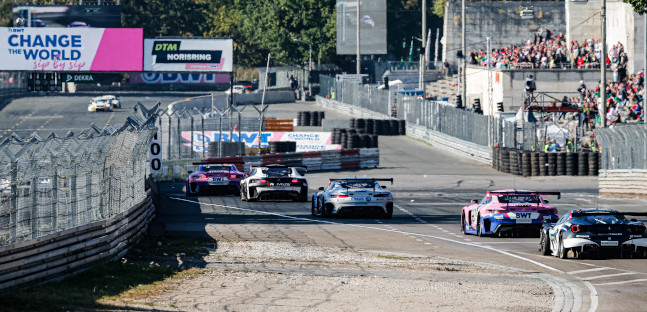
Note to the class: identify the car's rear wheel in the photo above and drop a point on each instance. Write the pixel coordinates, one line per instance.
(249, 198)
(389, 212)
(562, 252)
(544, 244)
(326, 210)
(242, 195)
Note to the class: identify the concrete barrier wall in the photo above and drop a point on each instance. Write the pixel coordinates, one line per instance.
(621, 183)
(467, 149)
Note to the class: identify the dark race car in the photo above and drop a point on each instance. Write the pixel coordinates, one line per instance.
(275, 182)
(592, 231)
(214, 178)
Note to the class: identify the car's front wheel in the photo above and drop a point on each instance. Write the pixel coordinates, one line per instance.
(478, 226)
(463, 223)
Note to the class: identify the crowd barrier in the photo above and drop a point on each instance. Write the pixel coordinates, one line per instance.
(526, 163)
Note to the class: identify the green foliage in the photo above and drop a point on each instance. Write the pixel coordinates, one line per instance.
(439, 7)
(640, 6)
(164, 17)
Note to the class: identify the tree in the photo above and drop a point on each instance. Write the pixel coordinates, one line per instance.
(640, 6)
(164, 17)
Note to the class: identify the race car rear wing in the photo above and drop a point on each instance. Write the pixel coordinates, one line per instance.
(207, 162)
(607, 213)
(558, 194)
(362, 179)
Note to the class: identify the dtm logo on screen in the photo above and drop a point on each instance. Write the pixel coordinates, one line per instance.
(170, 52)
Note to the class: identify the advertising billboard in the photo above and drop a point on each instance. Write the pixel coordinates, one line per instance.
(83, 16)
(372, 26)
(71, 49)
(306, 141)
(175, 78)
(189, 55)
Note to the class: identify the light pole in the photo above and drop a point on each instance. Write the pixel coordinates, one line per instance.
(309, 63)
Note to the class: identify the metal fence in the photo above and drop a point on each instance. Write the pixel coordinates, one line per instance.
(433, 115)
(623, 147)
(186, 132)
(56, 183)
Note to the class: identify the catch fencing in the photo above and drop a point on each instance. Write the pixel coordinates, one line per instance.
(623, 147)
(186, 132)
(52, 184)
(433, 115)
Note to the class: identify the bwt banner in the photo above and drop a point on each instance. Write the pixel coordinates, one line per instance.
(161, 78)
(71, 49)
(306, 141)
(189, 55)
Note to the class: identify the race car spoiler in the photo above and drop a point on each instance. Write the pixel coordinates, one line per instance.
(356, 179)
(206, 162)
(558, 194)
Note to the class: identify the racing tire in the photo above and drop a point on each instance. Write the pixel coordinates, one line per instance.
(544, 244)
(478, 226)
(319, 208)
(186, 191)
(562, 252)
(463, 224)
(312, 207)
(389, 212)
(242, 195)
(326, 212)
(249, 198)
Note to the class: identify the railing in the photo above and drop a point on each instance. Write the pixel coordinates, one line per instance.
(59, 183)
(623, 147)
(433, 115)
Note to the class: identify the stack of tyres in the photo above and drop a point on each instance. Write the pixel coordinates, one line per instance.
(543, 164)
(394, 126)
(525, 164)
(314, 119)
(354, 141)
(366, 140)
(552, 164)
(376, 127)
(583, 163)
(343, 138)
(353, 123)
(374, 140)
(594, 163)
(505, 160)
(495, 158)
(334, 137)
(402, 124)
(514, 161)
(571, 164)
(360, 125)
(306, 119)
(534, 164)
(561, 164)
(282, 147)
(368, 126)
(322, 116)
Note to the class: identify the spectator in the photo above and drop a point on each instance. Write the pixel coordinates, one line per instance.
(582, 90)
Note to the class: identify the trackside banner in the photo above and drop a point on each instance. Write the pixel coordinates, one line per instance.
(306, 141)
(71, 49)
(188, 55)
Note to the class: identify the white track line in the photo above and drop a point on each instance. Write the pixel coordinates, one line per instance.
(593, 300)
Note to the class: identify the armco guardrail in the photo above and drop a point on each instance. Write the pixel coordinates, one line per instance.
(67, 252)
(439, 139)
(627, 183)
(358, 158)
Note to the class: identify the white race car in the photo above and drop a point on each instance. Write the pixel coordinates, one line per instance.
(350, 196)
(100, 104)
(275, 182)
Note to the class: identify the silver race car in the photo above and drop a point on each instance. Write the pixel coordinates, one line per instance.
(352, 196)
(274, 182)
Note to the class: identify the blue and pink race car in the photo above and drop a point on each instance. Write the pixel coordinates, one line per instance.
(214, 178)
(508, 212)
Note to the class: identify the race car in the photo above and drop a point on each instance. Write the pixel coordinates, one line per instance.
(508, 212)
(353, 196)
(100, 104)
(275, 182)
(212, 178)
(591, 231)
(116, 103)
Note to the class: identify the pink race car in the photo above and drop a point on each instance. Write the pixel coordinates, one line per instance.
(211, 178)
(508, 212)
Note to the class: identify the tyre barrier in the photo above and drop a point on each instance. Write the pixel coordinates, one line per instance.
(352, 138)
(310, 118)
(355, 158)
(525, 163)
(534, 164)
(282, 147)
(379, 126)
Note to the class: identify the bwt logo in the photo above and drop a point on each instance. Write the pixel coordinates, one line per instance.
(523, 215)
(166, 46)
